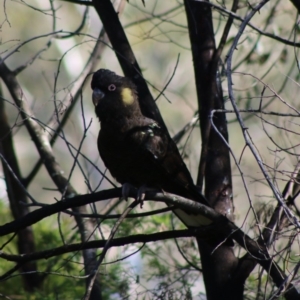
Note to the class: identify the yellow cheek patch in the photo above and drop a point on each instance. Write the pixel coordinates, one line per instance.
(127, 96)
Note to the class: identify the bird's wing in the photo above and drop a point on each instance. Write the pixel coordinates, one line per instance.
(172, 175)
(155, 145)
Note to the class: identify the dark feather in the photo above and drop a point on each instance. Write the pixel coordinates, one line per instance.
(136, 149)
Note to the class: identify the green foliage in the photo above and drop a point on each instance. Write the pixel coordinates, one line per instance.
(57, 273)
(114, 281)
(265, 72)
(61, 274)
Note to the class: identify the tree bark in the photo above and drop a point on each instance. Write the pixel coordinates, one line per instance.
(218, 261)
(17, 198)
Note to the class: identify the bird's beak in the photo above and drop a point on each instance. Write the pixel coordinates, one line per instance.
(97, 96)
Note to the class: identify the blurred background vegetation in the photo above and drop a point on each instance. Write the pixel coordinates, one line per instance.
(38, 35)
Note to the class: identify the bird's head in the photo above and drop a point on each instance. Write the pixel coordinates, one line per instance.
(114, 96)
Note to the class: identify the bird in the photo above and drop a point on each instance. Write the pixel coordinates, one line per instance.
(137, 150)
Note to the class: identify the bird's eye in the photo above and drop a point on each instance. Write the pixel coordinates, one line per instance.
(111, 87)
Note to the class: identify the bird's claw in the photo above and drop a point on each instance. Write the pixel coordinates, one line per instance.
(141, 195)
(141, 192)
(126, 187)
